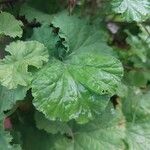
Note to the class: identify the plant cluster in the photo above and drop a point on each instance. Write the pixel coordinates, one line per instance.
(75, 75)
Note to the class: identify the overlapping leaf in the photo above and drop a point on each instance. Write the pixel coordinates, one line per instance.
(14, 68)
(132, 10)
(8, 98)
(9, 25)
(106, 132)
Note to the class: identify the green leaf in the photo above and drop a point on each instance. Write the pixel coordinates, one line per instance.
(45, 35)
(80, 85)
(9, 25)
(99, 72)
(14, 68)
(5, 138)
(67, 98)
(132, 10)
(136, 105)
(31, 14)
(34, 139)
(8, 98)
(138, 135)
(144, 35)
(103, 133)
(137, 47)
(71, 84)
(53, 127)
(137, 112)
(140, 80)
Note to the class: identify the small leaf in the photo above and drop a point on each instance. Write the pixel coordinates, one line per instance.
(8, 98)
(9, 25)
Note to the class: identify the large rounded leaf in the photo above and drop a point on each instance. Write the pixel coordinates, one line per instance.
(77, 87)
(102, 134)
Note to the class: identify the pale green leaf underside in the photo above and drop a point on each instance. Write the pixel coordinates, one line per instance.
(9, 25)
(14, 68)
(132, 10)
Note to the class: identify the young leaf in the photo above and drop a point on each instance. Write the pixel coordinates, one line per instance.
(132, 10)
(14, 68)
(9, 25)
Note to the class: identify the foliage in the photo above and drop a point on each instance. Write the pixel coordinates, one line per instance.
(74, 75)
